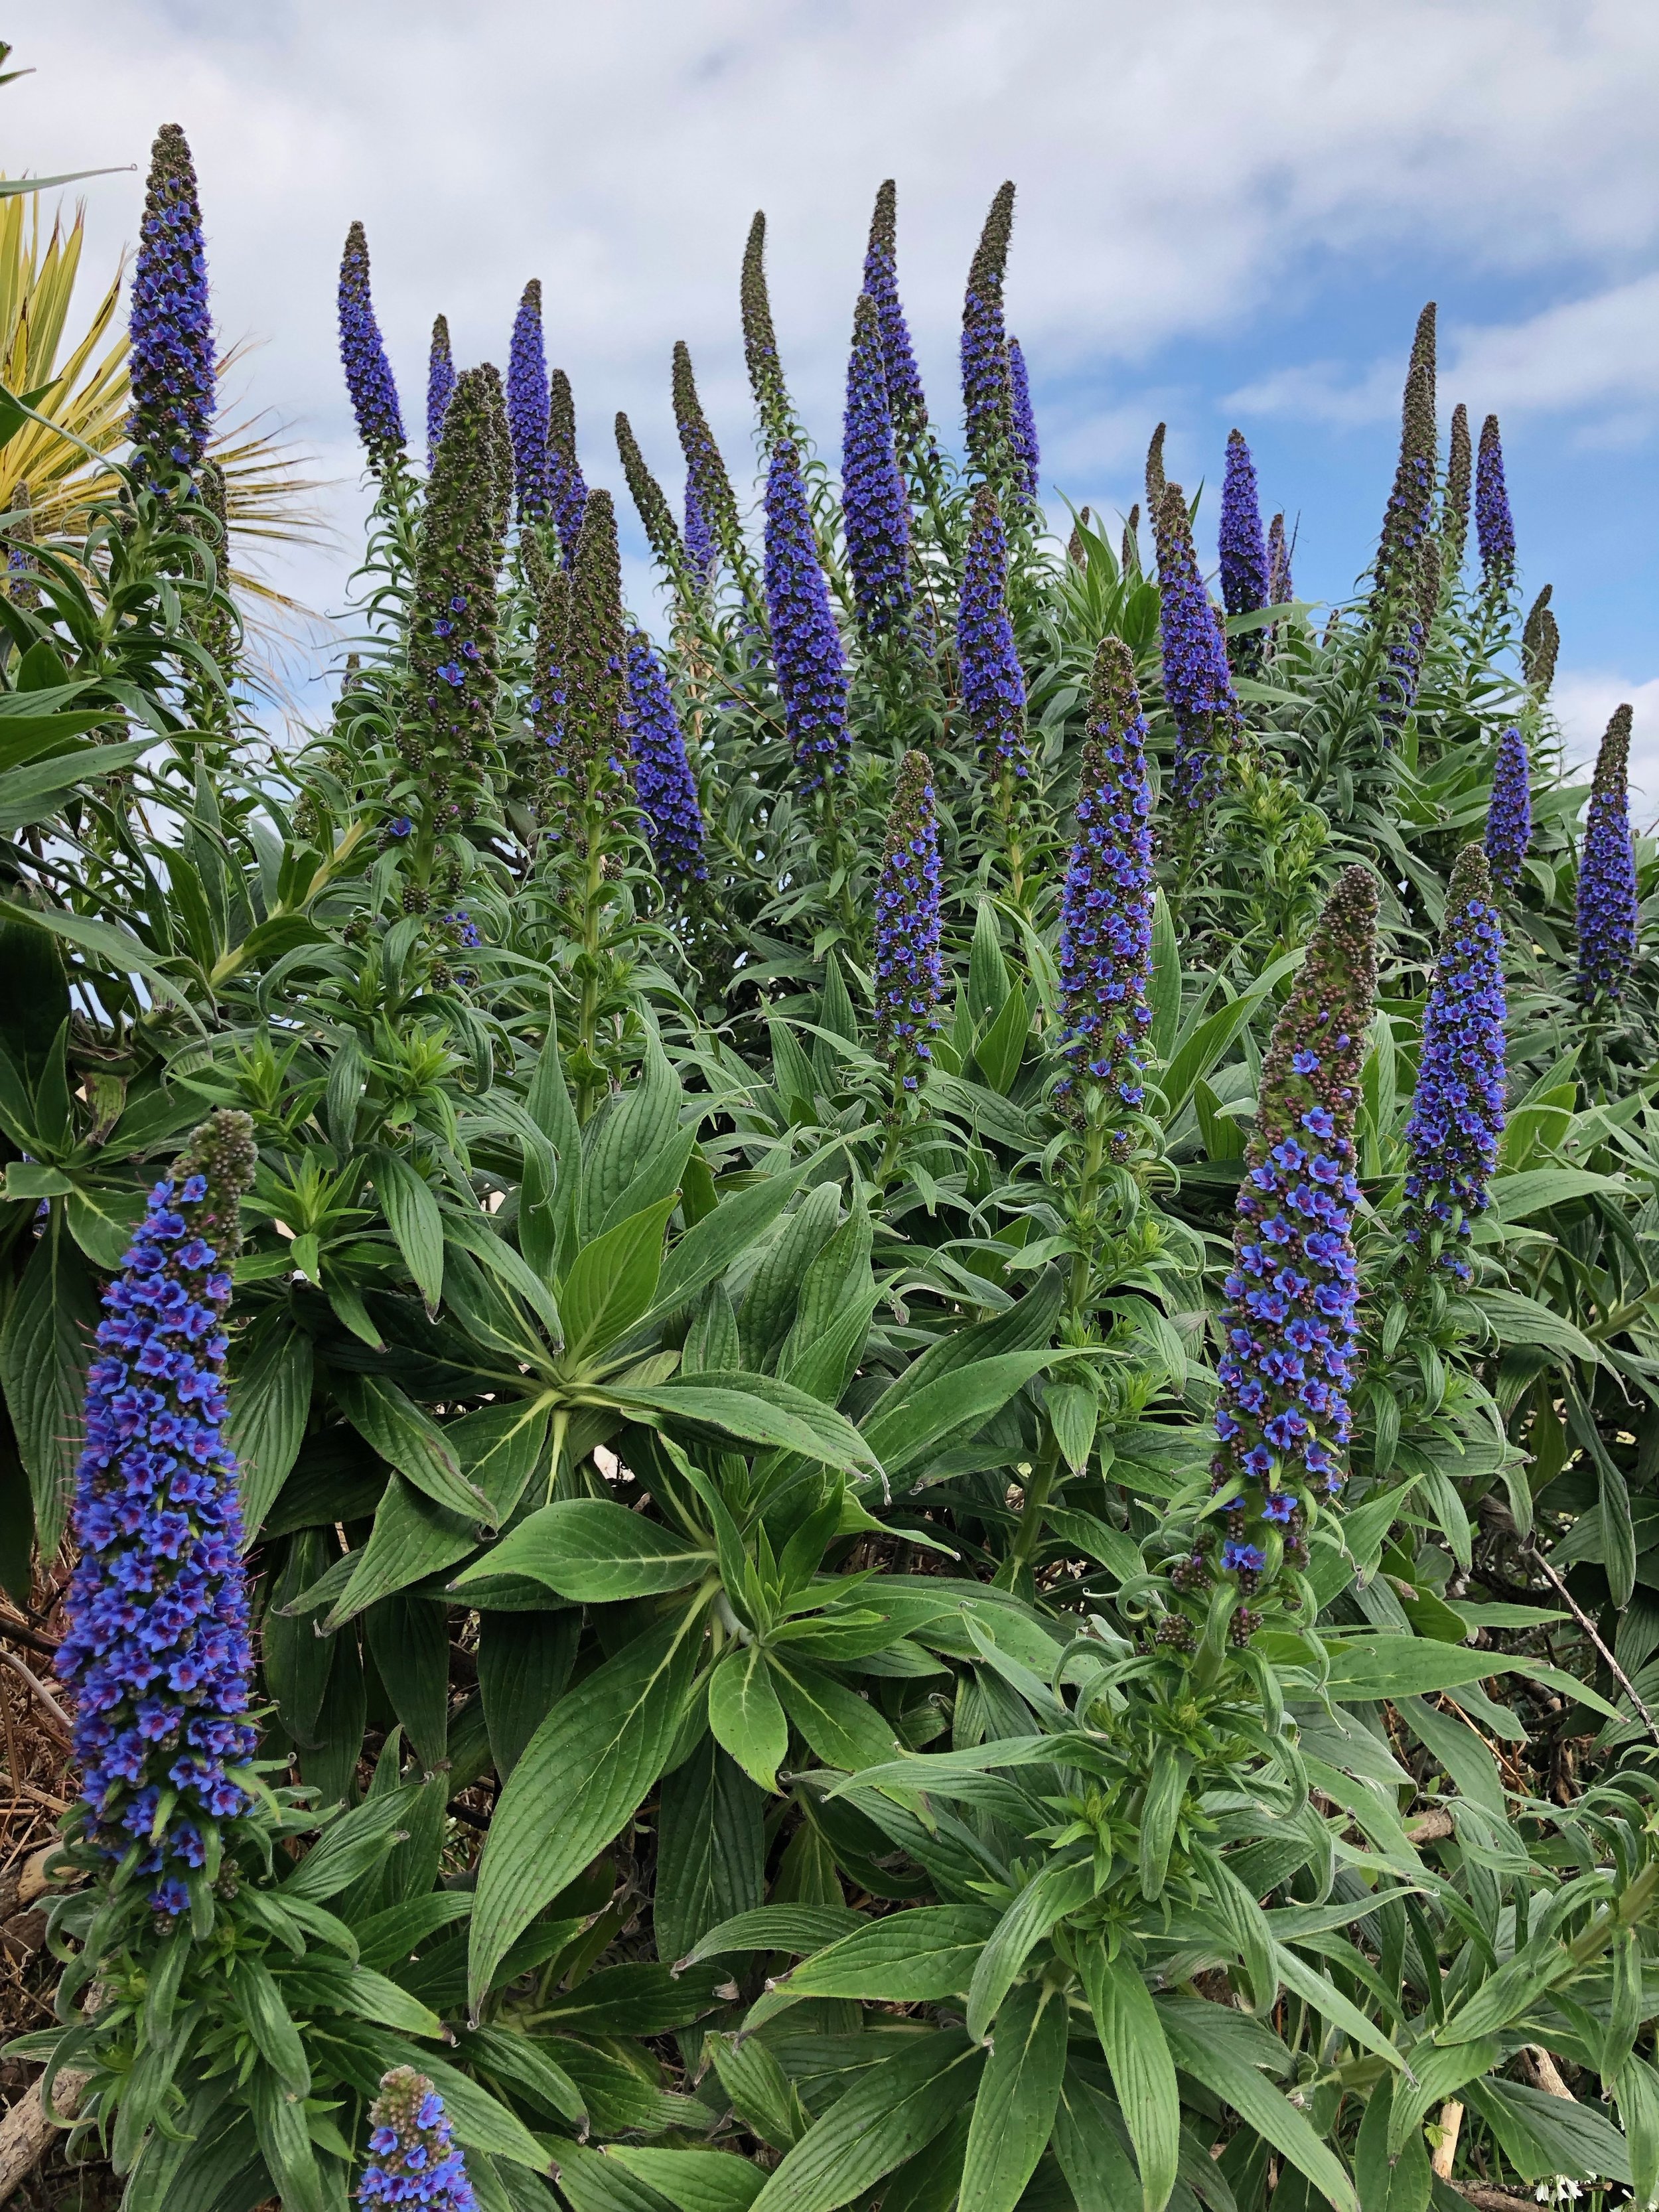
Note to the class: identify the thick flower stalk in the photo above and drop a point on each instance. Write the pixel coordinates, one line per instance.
(157, 1644)
(663, 782)
(213, 621)
(368, 377)
(453, 623)
(656, 516)
(1457, 1115)
(1157, 482)
(806, 649)
(1607, 873)
(412, 2158)
(987, 398)
(171, 366)
(1197, 683)
(1508, 816)
(1455, 499)
(905, 399)
(596, 687)
(1244, 568)
(907, 974)
(702, 553)
(1028, 454)
(1106, 906)
(993, 681)
(704, 466)
(526, 407)
(566, 489)
(1412, 499)
(1540, 644)
(1281, 586)
(1282, 1418)
(759, 343)
(1494, 526)
(875, 509)
(439, 384)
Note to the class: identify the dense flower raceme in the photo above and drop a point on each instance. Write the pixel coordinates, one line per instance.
(157, 1645)
(566, 488)
(1494, 526)
(1454, 503)
(527, 406)
(987, 391)
(1541, 643)
(453, 624)
(22, 570)
(1457, 1115)
(171, 366)
(806, 643)
(875, 509)
(702, 552)
(1157, 482)
(663, 781)
(760, 342)
(992, 682)
(656, 516)
(440, 384)
(907, 982)
(704, 466)
(1508, 816)
(1028, 454)
(1282, 1420)
(1411, 500)
(904, 394)
(369, 381)
(1409, 634)
(593, 761)
(1245, 584)
(412, 2158)
(1281, 587)
(1106, 907)
(1607, 872)
(1197, 683)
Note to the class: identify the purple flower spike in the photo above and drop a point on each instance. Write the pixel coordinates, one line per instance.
(702, 552)
(173, 377)
(987, 389)
(412, 2158)
(440, 384)
(1457, 1115)
(1197, 684)
(1494, 526)
(904, 394)
(875, 510)
(1509, 817)
(663, 782)
(157, 1645)
(806, 643)
(527, 406)
(907, 982)
(1244, 569)
(1411, 499)
(1028, 454)
(1607, 872)
(992, 682)
(567, 487)
(362, 354)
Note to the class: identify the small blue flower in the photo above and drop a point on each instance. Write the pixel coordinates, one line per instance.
(1197, 684)
(526, 405)
(413, 2161)
(1509, 818)
(663, 781)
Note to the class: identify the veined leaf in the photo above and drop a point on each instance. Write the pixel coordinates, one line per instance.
(1143, 2073)
(403, 1436)
(1014, 2111)
(593, 1551)
(891, 2112)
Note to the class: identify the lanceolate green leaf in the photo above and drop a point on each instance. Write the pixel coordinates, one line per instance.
(888, 2115)
(594, 1551)
(44, 1348)
(1014, 2111)
(1143, 2073)
(1214, 2062)
(745, 1715)
(397, 1428)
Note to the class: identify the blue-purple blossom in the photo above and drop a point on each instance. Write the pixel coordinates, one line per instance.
(440, 383)
(1197, 683)
(702, 552)
(1494, 526)
(663, 782)
(1245, 585)
(1457, 1114)
(875, 509)
(905, 400)
(1281, 588)
(1028, 454)
(171, 367)
(705, 469)
(907, 986)
(1607, 872)
(1508, 816)
(527, 406)
(992, 682)
(987, 390)
(412, 2158)
(805, 644)
(1288, 1320)
(368, 376)
(157, 1645)
(1106, 906)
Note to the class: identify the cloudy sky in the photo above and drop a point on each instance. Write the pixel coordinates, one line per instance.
(1230, 211)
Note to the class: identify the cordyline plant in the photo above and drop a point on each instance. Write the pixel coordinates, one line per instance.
(885, 1446)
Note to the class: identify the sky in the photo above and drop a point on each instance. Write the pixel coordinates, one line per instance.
(1229, 212)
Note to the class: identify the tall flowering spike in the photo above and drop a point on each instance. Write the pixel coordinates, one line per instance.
(1244, 572)
(987, 397)
(549, 697)
(1423, 340)
(1457, 1115)
(1494, 526)
(596, 683)
(362, 354)
(1129, 550)
(157, 1645)
(806, 643)
(905, 398)
(21, 589)
(171, 366)
(1508, 816)
(567, 487)
(1106, 907)
(412, 2158)
(1454, 503)
(1409, 644)
(875, 510)
(1076, 551)
(1156, 480)
(1028, 454)
(702, 553)
(908, 984)
(1282, 1418)
(702, 459)
(1411, 500)
(214, 623)
(661, 530)
(453, 624)
(663, 782)
(1607, 872)
(760, 340)
(440, 384)
(1197, 683)
(1540, 641)
(1281, 586)
(527, 406)
(993, 681)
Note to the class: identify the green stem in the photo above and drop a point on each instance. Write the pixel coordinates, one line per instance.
(1036, 1497)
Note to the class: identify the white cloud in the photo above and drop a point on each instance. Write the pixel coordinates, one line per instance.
(1583, 701)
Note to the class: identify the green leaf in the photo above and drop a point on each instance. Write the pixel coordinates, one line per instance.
(759, 1409)
(694, 2180)
(798, 1928)
(1514, 1196)
(707, 1250)
(1387, 1667)
(841, 1728)
(593, 1551)
(35, 793)
(44, 1348)
(595, 1756)
(1199, 1054)
(907, 1424)
(403, 1436)
(1143, 2073)
(115, 948)
(1014, 2111)
(412, 1216)
(361, 1991)
(525, 1661)
(1164, 989)
(711, 1850)
(916, 1956)
(1516, 1319)
(1061, 1887)
(891, 2111)
(1636, 2086)
(745, 1717)
(1000, 1050)
(612, 1281)
(270, 1403)
(1213, 2061)
(474, 1235)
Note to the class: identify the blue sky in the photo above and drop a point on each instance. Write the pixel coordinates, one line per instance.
(1231, 210)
